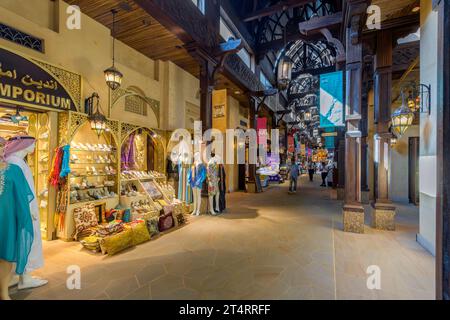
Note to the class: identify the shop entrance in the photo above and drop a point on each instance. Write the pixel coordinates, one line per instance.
(17, 121)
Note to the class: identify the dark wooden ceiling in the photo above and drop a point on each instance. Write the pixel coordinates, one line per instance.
(137, 29)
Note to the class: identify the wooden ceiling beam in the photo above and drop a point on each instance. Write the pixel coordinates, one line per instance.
(317, 23)
(284, 5)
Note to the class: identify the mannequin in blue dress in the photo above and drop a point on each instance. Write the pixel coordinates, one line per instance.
(196, 177)
(16, 226)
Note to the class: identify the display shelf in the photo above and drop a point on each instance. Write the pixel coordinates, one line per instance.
(94, 175)
(93, 151)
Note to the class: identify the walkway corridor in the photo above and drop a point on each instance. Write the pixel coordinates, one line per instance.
(267, 246)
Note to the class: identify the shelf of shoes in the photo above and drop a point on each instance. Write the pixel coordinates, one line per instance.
(93, 172)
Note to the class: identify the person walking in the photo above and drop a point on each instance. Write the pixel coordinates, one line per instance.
(324, 172)
(311, 171)
(293, 176)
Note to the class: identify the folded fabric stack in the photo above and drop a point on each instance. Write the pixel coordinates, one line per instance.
(91, 243)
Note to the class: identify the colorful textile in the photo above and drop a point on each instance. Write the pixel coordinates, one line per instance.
(128, 153)
(36, 256)
(65, 167)
(16, 226)
(18, 143)
(116, 243)
(54, 175)
(196, 176)
(213, 178)
(140, 232)
(85, 217)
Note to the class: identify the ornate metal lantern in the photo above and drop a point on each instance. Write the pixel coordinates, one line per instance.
(97, 119)
(113, 76)
(402, 118)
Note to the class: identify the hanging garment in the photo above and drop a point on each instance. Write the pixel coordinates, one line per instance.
(196, 176)
(35, 259)
(222, 188)
(54, 175)
(16, 226)
(213, 178)
(128, 153)
(65, 166)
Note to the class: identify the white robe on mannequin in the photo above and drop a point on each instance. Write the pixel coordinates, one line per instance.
(35, 259)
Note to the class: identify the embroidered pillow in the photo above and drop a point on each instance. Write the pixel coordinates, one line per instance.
(85, 217)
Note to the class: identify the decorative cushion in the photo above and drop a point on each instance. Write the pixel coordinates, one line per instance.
(84, 217)
(140, 232)
(110, 215)
(153, 226)
(165, 222)
(116, 243)
(91, 243)
(178, 219)
(109, 229)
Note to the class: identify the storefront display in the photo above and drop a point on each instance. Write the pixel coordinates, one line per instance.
(17, 122)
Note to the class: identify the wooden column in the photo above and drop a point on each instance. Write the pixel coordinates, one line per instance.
(383, 212)
(206, 88)
(353, 211)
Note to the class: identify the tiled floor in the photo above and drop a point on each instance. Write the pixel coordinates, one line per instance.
(267, 246)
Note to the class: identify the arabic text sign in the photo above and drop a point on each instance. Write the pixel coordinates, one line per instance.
(331, 100)
(24, 83)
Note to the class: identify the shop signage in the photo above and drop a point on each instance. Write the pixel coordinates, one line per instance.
(22, 82)
(331, 100)
(261, 127)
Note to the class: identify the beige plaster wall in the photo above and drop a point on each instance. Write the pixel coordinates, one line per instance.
(428, 127)
(88, 52)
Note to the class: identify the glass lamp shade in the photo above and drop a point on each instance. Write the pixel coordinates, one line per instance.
(307, 116)
(402, 118)
(113, 77)
(284, 72)
(98, 123)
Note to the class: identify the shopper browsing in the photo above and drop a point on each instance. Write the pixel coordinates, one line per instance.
(293, 176)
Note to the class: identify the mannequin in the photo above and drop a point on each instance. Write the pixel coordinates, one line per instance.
(196, 177)
(16, 227)
(213, 182)
(17, 148)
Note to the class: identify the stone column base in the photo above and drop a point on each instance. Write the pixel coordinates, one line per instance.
(353, 218)
(383, 216)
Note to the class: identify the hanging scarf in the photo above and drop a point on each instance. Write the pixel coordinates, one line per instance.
(54, 176)
(65, 167)
(3, 165)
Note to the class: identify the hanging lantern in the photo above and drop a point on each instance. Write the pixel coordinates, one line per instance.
(284, 72)
(97, 120)
(402, 118)
(307, 115)
(113, 76)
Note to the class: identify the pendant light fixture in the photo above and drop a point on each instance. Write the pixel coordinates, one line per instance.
(402, 117)
(113, 76)
(97, 119)
(284, 72)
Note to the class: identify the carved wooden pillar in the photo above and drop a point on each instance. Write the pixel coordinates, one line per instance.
(383, 212)
(353, 211)
(206, 88)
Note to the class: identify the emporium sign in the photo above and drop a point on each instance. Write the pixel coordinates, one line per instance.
(22, 82)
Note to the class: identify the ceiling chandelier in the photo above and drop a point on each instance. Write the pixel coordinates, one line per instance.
(113, 76)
